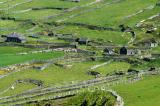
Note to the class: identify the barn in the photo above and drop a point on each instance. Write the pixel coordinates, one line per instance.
(127, 51)
(15, 37)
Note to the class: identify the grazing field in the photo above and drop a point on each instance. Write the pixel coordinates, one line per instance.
(15, 59)
(94, 34)
(106, 17)
(56, 75)
(141, 93)
(73, 45)
(10, 55)
(13, 50)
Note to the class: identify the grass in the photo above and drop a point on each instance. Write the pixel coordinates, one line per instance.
(13, 50)
(50, 3)
(115, 37)
(51, 75)
(113, 67)
(146, 14)
(8, 24)
(102, 17)
(9, 55)
(34, 15)
(10, 59)
(106, 17)
(55, 75)
(143, 93)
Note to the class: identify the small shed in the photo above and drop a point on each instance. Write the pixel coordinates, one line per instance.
(132, 71)
(131, 52)
(158, 3)
(151, 43)
(108, 51)
(127, 51)
(75, 0)
(84, 41)
(123, 51)
(15, 37)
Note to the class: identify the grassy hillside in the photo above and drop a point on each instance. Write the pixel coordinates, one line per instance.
(142, 93)
(47, 22)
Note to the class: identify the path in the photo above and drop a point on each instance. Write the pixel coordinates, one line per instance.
(140, 11)
(100, 65)
(6, 90)
(5, 1)
(13, 6)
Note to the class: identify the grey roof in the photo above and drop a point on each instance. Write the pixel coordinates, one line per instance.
(83, 39)
(75, 0)
(16, 35)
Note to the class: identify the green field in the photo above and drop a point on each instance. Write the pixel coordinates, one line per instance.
(142, 93)
(55, 75)
(9, 55)
(42, 22)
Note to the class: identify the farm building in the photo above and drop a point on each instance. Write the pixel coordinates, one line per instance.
(15, 37)
(75, 0)
(83, 41)
(158, 3)
(108, 51)
(127, 51)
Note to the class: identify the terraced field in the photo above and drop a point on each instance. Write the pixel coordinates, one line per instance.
(72, 46)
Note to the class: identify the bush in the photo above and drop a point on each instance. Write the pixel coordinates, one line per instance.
(97, 98)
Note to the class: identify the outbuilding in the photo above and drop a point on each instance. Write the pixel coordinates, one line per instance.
(108, 51)
(84, 41)
(127, 51)
(75, 0)
(15, 37)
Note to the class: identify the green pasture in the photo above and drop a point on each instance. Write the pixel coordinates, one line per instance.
(8, 59)
(142, 16)
(114, 36)
(142, 93)
(113, 15)
(56, 75)
(33, 14)
(46, 3)
(5, 50)
(113, 67)
(8, 24)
